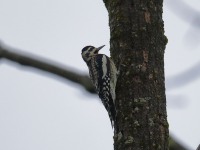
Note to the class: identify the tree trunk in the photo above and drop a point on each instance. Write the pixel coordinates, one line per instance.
(137, 47)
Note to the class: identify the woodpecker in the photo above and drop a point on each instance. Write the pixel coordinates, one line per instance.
(103, 75)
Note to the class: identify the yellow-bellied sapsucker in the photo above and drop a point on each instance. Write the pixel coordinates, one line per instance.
(103, 74)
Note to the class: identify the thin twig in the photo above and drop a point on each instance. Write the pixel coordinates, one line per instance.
(30, 60)
(44, 65)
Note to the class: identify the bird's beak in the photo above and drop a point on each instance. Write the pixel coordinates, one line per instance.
(100, 47)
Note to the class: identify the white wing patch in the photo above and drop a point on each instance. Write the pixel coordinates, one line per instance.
(113, 80)
(104, 66)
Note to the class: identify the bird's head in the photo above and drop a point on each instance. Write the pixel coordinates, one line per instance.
(89, 51)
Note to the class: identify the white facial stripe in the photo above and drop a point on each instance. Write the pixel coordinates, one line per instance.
(87, 51)
(90, 48)
(84, 53)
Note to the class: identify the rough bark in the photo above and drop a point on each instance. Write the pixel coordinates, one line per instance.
(40, 63)
(137, 47)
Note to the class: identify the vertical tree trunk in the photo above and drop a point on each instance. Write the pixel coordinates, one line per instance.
(137, 47)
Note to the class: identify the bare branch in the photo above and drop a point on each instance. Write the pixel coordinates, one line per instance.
(29, 60)
(185, 12)
(45, 65)
(60, 70)
(189, 15)
(184, 78)
(198, 148)
(175, 145)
